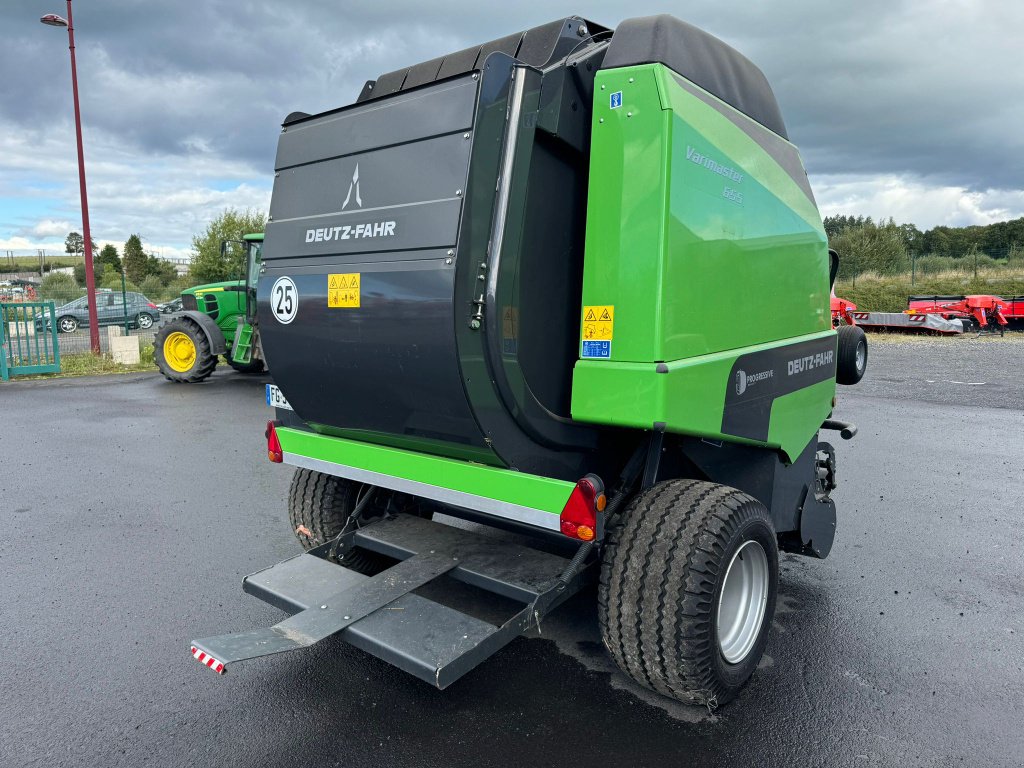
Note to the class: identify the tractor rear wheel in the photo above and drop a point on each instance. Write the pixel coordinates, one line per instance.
(853, 354)
(182, 352)
(689, 575)
(254, 366)
(319, 505)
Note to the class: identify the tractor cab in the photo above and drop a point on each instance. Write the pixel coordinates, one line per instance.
(253, 262)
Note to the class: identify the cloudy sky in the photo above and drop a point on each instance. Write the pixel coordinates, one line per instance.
(901, 108)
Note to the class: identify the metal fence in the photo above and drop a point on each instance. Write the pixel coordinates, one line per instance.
(133, 312)
(28, 339)
(66, 321)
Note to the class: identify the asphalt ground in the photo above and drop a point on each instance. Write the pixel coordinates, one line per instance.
(132, 508)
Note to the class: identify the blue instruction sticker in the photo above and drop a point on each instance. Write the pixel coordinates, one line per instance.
(597, 349)
(616, 100)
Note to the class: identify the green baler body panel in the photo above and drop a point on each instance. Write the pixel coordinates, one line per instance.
(540, 497)
(703, 239)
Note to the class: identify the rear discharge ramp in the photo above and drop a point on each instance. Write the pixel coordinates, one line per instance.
(383, 615)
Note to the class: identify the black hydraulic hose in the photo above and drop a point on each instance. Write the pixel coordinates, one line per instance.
(361, 504)
(352, 519)
(574, 566)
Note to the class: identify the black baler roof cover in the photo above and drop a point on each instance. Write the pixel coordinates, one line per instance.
(702, 59)
(537, 47)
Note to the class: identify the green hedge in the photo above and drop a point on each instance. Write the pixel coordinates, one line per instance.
(889, 294)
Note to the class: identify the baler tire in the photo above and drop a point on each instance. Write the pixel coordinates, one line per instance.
(321, 504)
(663, 567)
(851, 363)
(205, 361)
(254, 366)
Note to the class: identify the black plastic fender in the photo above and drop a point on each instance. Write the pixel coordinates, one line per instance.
(214, 335)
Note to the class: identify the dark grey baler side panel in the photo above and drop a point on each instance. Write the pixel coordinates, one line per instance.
(375, 190)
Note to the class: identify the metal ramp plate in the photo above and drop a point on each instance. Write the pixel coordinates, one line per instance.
(512, 570)
(380, 615)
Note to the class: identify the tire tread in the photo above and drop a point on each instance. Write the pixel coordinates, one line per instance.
(206, 361)
(660, 567)
(322, 503)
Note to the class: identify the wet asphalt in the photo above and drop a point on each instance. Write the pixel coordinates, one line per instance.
(132, 508)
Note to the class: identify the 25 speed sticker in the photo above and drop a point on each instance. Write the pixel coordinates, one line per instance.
(284, 300)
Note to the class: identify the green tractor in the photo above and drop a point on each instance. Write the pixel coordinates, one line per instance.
(216, 319)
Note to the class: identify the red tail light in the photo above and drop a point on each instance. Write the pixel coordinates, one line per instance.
(151, 305)
(579, 516)
(274, 452)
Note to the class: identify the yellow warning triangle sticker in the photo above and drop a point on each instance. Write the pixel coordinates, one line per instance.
(590, 316)
(355, 281)
(605, 317)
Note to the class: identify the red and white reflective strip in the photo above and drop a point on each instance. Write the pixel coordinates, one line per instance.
(208, 660)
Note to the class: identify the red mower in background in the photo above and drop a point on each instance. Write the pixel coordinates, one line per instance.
(841, 311)
(981, 310)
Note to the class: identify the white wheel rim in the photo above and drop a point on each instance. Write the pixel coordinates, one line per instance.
(741, 604)
(862, 356)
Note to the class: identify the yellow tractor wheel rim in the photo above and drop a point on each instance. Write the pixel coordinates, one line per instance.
(179, 351)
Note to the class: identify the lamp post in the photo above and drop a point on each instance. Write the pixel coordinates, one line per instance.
(53, 20)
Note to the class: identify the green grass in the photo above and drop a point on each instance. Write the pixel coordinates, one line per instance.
(888, 293)
(87, 364)
(31, 263)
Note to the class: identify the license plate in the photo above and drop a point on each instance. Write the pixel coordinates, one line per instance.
(275, 399)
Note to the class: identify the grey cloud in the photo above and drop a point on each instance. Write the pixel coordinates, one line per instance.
(926, 89)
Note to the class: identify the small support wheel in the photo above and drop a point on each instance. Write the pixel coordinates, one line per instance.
(689, 576)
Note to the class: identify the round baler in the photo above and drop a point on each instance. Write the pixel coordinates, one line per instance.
(502, 286)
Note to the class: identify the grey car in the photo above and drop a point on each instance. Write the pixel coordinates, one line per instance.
(135, 309)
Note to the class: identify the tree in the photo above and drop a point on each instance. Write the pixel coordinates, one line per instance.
(911, 237)
(153, 288)
(59, 287)
(164, 271)
(134, 261)
(208, 263)
(871, 248)
(97, 272)
(109, 256)
(74, 244)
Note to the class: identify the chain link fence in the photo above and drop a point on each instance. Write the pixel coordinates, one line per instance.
(131, 311)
